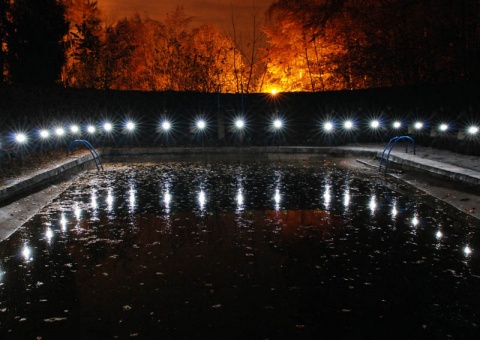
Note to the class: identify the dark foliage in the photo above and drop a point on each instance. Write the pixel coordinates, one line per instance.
(35, 41)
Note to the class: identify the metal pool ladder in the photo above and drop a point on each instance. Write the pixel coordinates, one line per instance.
(93, 152)
(391, 144)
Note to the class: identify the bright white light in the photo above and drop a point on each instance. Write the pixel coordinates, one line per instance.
(346, 199)
(91, 129)
(240, 198)
(44, 134)
(63, 223)
(373, 204)
(473, 130)
(239, 123)
(26, 252)
(93, 199)
(328, 126)
(109, 200)
(167, 198)
(130, 126)
(166, 126)
(132, 197)
(277, 197)
(277, 124)
(78, 213)
(327, 197)
(443, 127)
(397, 125)
(375, 124)
(107, 127)
(467, 250)
(49, 234)
(348, 124)
(59, 132)
(415, 221)
(74, 129)
(418, 125)
(20, 138)
(202, 199)
(439, 235)
(201, 124)
(394, 211)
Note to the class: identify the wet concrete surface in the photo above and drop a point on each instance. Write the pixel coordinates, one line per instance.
(15, 214)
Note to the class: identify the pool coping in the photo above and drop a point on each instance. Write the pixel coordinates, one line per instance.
(400, 160)
(30, 182)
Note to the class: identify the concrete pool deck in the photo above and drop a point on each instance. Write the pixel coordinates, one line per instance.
(460, 173)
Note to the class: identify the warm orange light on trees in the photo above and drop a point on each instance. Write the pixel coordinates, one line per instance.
(308, 45)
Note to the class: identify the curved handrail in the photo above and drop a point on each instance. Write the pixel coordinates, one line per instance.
(93, 152)
(391, 144)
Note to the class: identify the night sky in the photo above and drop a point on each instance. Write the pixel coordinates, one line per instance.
(217, 12)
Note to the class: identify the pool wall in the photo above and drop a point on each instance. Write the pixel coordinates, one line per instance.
(230, 154)
(74, 164)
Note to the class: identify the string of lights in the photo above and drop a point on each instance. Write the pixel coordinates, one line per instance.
(277, 124)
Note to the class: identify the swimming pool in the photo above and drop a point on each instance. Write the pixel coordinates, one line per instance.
(239, 250)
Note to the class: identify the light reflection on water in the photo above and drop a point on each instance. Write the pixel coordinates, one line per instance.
(49, 234)
(297, 251)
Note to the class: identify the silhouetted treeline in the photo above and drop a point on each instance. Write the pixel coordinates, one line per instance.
(303, 45)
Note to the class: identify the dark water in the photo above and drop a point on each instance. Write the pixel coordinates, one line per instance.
(251, 250)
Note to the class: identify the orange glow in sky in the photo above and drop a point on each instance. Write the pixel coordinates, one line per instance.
(218, 12)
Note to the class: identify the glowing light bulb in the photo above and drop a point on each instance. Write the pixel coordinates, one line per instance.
(348, 125)
(443, 127)
(397, 125)
(239, 123)
(201, 124)
(44, 134)
(59, 132)
(107, 127)
(473, 130)
(328, 126)
(418, 125)
(375, 124)
(277, 123)
(166, 126)
(130, 126)
(20, 138)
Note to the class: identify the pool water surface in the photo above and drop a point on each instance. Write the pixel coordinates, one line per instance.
(251, 250)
